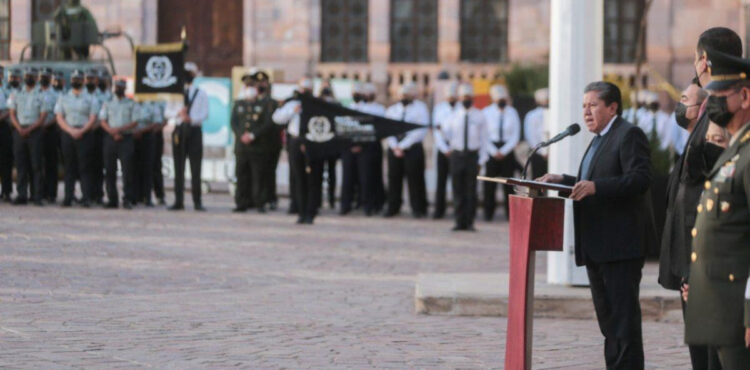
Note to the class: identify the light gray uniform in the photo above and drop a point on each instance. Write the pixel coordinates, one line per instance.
(119, 112)
(76, 108)
(29, 105)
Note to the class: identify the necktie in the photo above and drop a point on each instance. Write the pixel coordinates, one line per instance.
(501, 124)
(401, 136)
(466, 131)
(586, 164)
(186, 97)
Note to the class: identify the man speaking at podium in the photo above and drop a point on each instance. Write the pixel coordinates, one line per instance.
(613, 221)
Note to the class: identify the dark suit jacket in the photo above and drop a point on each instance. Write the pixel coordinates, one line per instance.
(616, 223)
(683, 193)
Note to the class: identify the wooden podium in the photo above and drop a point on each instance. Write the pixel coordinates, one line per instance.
(536, 224)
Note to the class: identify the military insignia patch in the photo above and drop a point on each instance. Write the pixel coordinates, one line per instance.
(746, 137)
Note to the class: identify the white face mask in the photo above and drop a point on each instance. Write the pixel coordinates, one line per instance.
(248, 92)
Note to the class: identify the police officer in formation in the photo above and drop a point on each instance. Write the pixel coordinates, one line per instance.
(406, 154)
(440, 114)
(146, 117)
(255, 135)
(50, 136)
(92, 82)
(187, 140)
(504, 127)
(118, 119)
(465, 131)
(76, 113)
(28, 113)
(6, 144)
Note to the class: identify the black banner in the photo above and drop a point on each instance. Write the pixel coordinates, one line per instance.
(159, 70)
(329, 128)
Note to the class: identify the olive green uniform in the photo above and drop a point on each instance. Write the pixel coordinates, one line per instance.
(717, 310)
(253, 160)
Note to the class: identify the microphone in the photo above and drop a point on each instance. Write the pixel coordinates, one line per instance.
(572, 130)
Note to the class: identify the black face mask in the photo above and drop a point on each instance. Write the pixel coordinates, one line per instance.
(467, 103)
(90, 87)
(44, 81)
(717, 110)
(15, 84)
(357, 98)
(76, 85)
(102, 86)
(29, 81)
(680, 112)
(189, 78)
(452, 102)
(711, 151)
(120, 92)
(502, 103)
(405, 101)
(653, 107)
(58, 86)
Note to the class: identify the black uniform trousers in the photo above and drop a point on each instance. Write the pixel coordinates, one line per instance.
(615, 292)
(504, 168)
(411, 166)
(270, 174)
(188, 146)
(350, 184)
(143, 167)
(293, 204)
(464, 167)
(27, 152)
(253, 187)
(157, 173)
(98, 163)
(78, 161)
(51, 150)
(6, 157)
(308, 174)
(124, 150)
(330, 164)
(443, 170)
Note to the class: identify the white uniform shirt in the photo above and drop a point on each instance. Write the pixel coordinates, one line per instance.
(287, 115)
(663, 129)
(417, 113)
(511, 126)
(374, 108)
(198, 110)
(440, 114)
(454, 127)
(535, 129)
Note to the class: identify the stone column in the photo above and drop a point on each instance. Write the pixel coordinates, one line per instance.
(576, 38)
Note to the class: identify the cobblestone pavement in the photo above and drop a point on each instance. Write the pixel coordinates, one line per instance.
(150, 288)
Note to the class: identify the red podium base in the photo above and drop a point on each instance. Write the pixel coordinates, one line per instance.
(536, 224)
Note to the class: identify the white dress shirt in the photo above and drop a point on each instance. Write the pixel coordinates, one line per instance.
(535, 128)
(663, 128)
(440, 114)
(198, 110)
(454, 127)
(287, 115)
(416, 113)
(511, 124)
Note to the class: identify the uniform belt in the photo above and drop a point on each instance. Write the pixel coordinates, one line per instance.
(465, 152)
(498, 143)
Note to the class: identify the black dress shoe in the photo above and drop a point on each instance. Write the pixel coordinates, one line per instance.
(176, 207)
(438, 216)
(309, 220)
(389, 214)
(199, 208)
(419, 215)
(300, 220)
(85, 203)
(344, 211)
(67, 203)
(273, 206)
(262, 209)
(239, 209)
(38, 203)
(20, 201)
(162, 202)
(149, 204)
(127, 205)
(111, 205)
(458, 228)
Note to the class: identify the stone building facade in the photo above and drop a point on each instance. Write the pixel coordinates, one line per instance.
(287, 35)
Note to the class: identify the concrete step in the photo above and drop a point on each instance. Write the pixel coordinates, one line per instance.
(487, 295)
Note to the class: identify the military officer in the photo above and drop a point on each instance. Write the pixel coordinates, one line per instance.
(118, 119)
(143, 160)
(718, 303)
(76, 114)
(262, 84)
(253, 129)
(6, 143)
(50, 136)
(28, 113)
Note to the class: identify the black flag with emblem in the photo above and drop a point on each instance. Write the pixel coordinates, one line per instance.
(329, 128)
(159, 71)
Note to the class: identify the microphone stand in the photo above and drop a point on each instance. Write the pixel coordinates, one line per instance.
(528, 160)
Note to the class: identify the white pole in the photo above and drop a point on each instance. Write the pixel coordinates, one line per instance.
(576, 38)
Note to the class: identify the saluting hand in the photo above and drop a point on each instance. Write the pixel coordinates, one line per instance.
(582, 190)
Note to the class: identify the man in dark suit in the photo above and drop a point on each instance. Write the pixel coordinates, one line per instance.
(613, 222)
